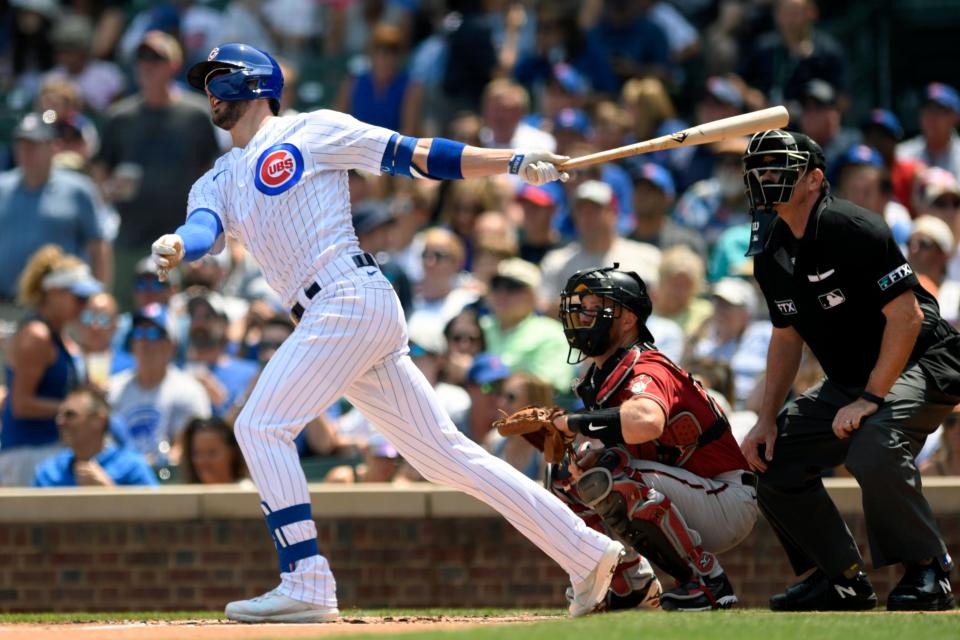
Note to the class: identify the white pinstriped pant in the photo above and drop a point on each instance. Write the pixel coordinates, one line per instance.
(352, 342)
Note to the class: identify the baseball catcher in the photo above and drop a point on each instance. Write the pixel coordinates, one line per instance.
(656, 464)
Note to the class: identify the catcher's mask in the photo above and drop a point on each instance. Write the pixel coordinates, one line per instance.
(588, 330)
(772, 165)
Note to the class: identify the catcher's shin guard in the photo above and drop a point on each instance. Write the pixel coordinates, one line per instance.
(647, 520)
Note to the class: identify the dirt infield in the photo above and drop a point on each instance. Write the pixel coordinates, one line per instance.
(217, 629)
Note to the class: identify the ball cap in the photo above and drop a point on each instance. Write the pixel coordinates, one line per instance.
(518, 270)
(537, 195)
(154, 314)
(862, 154)
(736, 291)
(595, 191)
(77, 280)
(885, 120)
(724, 92)
(36, 128)
(487, 368)
(820, 91)
(943, 95)
(657, 175)
(935, 229)
(370, 214)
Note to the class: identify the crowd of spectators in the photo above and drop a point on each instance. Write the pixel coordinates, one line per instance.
(111, 376)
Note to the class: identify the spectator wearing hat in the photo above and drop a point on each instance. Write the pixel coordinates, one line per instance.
(41, 362)
(732, 335)
(572, 127)
(147, 289)
(785, 59)
(373, 222)
(653, 198)
(154, 400)
(100, 81)
(881, 130)
(225, 377)
(537, 233)
(711, 206)
(484, 383)
(155, 144)
(40, 204)
(595, 219)
(862, 178)
(514, 332)
(721, 99)
(938, 145)
(929, 249)
(821, 118)
(88, 461)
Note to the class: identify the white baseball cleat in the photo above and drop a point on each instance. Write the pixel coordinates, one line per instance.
(594, 588)
(273, 606)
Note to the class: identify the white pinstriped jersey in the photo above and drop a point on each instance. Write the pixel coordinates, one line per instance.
(285, 195)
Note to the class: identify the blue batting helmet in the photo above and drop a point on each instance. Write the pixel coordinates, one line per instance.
(243, 64)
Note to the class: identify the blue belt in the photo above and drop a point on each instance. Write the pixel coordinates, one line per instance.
(363, 260)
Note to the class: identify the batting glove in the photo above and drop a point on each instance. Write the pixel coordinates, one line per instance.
(167, 253)
(538, 167)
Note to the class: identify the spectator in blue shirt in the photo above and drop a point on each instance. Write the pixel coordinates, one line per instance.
(631, 44)
(40, 205)
(83, 419)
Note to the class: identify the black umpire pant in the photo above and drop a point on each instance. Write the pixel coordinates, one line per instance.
(880, 455)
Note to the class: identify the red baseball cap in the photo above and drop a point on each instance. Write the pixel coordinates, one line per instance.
(536, 195)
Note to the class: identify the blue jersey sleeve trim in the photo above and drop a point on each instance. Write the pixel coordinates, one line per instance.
(199, 233)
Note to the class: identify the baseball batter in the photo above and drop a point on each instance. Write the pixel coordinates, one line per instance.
(282, 192)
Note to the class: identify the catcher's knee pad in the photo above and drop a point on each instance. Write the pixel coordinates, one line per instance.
(658, 531)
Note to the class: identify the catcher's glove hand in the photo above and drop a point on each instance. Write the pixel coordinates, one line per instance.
(535, 424)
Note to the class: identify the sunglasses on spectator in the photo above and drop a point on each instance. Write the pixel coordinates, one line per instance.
(90, 318)
(150, 334)
(509, 396)
(433, 254)
(71, 414)
(946, 203)
(921, 244)
(464, 338)
(150, 284)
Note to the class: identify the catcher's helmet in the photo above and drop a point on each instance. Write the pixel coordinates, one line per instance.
(250, 73)
(589, 332)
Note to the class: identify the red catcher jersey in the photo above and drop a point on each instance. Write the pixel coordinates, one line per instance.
(686, 407)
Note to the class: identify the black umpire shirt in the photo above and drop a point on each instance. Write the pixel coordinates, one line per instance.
(832, 284)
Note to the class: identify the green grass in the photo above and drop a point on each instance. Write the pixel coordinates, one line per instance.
(739, 624)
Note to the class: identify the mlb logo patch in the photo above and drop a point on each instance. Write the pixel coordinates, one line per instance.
(832, 299)
(278, 169)
(786, 307)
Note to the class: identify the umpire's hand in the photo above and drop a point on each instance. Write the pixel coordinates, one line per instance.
(763, 433)
(167, 252)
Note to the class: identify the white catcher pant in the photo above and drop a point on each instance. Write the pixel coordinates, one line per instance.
(352, 342)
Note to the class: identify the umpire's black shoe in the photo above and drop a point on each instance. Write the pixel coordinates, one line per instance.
(817, 592)
(924, 588)
(700, 595)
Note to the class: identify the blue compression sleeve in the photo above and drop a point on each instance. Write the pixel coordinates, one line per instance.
(199, 233)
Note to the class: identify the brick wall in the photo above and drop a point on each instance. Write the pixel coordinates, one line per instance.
(378, 562)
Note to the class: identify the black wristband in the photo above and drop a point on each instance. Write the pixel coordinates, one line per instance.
(877, 400)
(602, 424)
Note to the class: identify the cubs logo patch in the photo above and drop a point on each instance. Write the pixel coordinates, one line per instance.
(640, 384)
(213, 54)
(278, 169)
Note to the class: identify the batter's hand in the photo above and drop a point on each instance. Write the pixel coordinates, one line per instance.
(763, 433)
(538, 167)
(167, 253)
(849, 417)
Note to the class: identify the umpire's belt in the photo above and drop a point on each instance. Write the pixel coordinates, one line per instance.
(362, 260)
(749, 479)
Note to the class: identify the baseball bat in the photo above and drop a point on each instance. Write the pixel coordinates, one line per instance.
(741, 125)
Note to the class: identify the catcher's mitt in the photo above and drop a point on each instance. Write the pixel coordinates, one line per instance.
(535, 424)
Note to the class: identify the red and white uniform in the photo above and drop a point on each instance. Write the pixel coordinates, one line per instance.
(707, 486)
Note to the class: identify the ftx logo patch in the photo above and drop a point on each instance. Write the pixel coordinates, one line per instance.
(786, 307)
(895, 276)
(832, 299)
